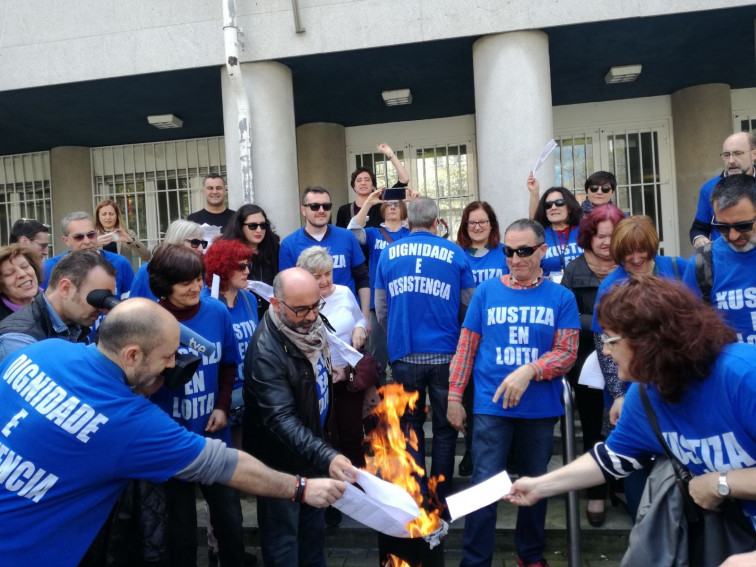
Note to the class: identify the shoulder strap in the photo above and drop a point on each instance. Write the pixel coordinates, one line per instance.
(246, 301)
(386, 235)
(704, 271)
(351, 210)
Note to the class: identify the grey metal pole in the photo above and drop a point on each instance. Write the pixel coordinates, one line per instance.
(572, 509)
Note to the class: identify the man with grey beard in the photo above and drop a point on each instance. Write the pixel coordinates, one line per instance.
(288, 397)
(724, 271)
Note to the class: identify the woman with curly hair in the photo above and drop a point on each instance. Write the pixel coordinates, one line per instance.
(229, 260)
(251, 227)
(20, 274)
(700, 382)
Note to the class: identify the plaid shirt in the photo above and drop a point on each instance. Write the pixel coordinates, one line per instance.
(549, 365)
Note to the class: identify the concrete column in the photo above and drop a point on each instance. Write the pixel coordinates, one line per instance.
(71, 182)
(321, 148)
(701, 120)
(274, 147)
(513, 118)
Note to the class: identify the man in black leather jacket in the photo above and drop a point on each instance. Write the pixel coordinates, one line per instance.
(288, 396)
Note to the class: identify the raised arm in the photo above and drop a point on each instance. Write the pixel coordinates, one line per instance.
(534, 187)
(401, 173)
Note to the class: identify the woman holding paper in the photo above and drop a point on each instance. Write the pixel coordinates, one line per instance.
(583, 277)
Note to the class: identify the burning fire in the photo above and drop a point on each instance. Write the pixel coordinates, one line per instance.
(395, 561)
(393, 463)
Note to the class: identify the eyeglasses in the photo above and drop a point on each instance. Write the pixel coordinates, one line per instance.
(305, 311)
(557, 203)
(727, 155)
(390, 204)
(480, 223)
(607, 340)
(603, 188)
(724, 228)
(196, 242)
(42, 245)
(522, 252)
(244, 266)
(79, 237)
(316, 206)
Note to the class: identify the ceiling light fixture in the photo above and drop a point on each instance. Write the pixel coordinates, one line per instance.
(165, 121)
(397, 97)
(624, 74)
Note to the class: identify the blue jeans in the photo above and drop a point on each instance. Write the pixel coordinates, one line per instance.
(435, 379)
(291, 534)
(492, 437)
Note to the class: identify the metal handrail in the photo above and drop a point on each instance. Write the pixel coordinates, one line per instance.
(572, 509)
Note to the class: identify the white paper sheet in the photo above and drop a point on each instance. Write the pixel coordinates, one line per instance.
(382, 506)
(215, 287)
(211, 233)
(590, 374)
(475, 497)
(544, 155)
(261, 288)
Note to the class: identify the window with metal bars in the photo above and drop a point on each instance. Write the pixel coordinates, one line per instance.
(25, 192)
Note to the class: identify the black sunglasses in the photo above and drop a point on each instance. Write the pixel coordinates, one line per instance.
(196, 242)
(603, 188)
(80, 237)
(244, 266)
(557, 203)
(522, 252)
(316, 206)
(256, 225)
(724, 228)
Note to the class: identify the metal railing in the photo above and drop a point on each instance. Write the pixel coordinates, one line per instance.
(572, 508)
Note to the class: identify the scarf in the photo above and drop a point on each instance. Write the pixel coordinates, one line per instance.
(599, 267)
(311, 345)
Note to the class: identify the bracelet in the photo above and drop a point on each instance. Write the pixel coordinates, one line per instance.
(299, 490)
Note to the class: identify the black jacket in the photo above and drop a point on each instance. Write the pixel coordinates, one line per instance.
(34, 320)
(281, 415)
(582, 282)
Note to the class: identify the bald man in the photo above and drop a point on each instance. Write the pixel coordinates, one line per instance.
(288, 396)
(738, 155)
(76, 427)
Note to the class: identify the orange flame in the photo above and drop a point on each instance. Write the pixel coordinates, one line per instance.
(395, 561)
(391, 461)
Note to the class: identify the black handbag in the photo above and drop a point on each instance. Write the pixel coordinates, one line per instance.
(671, 529)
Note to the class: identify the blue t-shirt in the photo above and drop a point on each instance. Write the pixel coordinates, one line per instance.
(375, 243)
(341, 244)
(711, 429)
(124, 275)
(492, 265)
(663, 268)
(704, 210)
(140, 287)
(321, 384)
(244, 320)
(559, 255)
(192, 405)
(74, 434)
(733, 291)
(423, 275)
(517, 327)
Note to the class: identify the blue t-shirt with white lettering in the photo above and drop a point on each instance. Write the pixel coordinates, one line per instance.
(517, 326)
(342, 245)
(375, 243)
(711, 429)
(321, 384)
(73, 434)
(244, 320)
(423, 275)
(559, 255)
(491, 265)
(733, 291)
(663, 267)
(192, 405)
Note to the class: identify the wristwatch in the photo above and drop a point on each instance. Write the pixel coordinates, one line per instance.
(723, 488)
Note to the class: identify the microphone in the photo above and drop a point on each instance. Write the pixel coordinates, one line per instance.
(103, 299)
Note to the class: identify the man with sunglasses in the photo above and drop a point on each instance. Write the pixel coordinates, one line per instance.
(288, 395)
(349, 267)
(79, 234)
(32, 234)
(215, 212)
(724, 271)
(520, 335)
(738, 155)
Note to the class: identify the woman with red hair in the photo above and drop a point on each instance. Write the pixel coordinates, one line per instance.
(230, 260)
